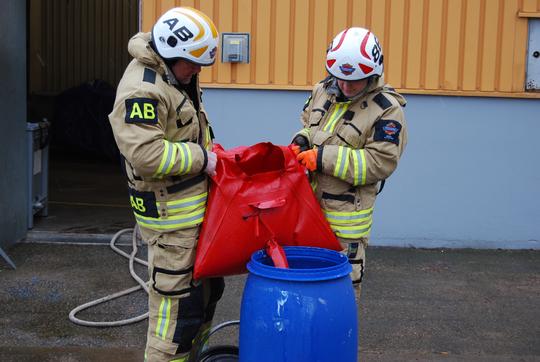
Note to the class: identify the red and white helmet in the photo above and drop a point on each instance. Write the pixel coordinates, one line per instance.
(186, 33)
(354, 54)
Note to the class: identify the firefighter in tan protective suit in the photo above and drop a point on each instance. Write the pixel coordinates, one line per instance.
(354, 134)
(165, 139)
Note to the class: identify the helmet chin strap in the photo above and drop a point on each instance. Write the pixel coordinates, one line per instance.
(371, 80)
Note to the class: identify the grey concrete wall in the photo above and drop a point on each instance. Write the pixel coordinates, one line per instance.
(13, 121)
(470, 176)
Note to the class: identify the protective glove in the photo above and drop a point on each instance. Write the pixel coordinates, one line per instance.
(302, 142)
(308, 159)
(211, 163)
(295, 148)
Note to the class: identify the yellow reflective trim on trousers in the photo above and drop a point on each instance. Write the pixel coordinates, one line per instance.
(189, 203)
(167, 160)
(173, 222)
(181, 359)
(336, 115)
(164, 317)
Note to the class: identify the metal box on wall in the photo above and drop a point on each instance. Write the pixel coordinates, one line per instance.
(533, 56)
(235, 47)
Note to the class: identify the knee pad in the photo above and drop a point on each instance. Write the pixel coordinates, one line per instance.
(217, 286)
(191, 316)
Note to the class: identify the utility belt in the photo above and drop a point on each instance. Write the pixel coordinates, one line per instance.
(169, 208)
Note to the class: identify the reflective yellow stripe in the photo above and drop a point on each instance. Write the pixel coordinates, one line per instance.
(164, 317)
(355, 167)
(304, 132)
(208, 138)
(344, 218)
(167, 160)
(342, 163)
(174, 222)
(181, 359)
(189, 203)
(314, 185)
(336, 115)
(184, 155)
(359, 157)
(352, 224)
(352, 232)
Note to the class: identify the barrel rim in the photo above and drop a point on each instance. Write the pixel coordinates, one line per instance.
(341, 268)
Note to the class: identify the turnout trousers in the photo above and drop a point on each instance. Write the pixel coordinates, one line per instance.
(180, 308)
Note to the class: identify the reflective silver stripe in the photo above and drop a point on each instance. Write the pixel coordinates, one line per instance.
(186, 159)
(169, 159)
(172, 222)
(355, 215)
(192, 201)
(164, 317)
(342, 163)
(359, 167)
(352, 233)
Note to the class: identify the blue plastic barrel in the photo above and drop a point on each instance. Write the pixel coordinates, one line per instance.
(306, 313)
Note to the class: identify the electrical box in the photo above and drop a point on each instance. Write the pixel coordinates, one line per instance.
(38, 169)
(235, 47)
(533, 56)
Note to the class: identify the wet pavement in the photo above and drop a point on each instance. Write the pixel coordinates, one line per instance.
(417, 305)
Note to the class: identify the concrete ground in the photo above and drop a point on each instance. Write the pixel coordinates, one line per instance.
(417, 305)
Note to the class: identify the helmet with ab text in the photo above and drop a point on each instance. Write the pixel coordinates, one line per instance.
(354, 54)
(186, 33)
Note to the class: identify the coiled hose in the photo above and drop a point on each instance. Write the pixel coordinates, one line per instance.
(142, 285)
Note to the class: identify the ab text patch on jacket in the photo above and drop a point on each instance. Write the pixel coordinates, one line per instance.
(143, 202)
(141, 110)
(387, 130)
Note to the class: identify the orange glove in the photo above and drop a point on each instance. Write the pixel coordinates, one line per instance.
(295, 149)
(309, 159)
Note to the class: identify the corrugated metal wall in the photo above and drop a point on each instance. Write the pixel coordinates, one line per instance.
(73, 41)
(456, 47)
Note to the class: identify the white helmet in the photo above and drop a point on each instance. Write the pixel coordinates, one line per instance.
(186, 33)
(354, 54)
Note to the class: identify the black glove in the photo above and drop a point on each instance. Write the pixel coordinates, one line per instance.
(302, 142)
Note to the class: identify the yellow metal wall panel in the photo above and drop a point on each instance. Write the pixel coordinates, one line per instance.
(462, 47)
(487, 73)
(281, 59)
(470, 45)
(414, 50)
(299, 46)
(393, 50)
(452, 48)
(507, 42)
(243, 71)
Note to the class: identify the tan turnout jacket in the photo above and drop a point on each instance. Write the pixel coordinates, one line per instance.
(359, 144)
(163, 139)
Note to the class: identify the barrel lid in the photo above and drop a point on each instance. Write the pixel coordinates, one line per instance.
(305, 264)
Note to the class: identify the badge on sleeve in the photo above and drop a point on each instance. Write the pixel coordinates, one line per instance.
(387, 130)
(141, 110)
